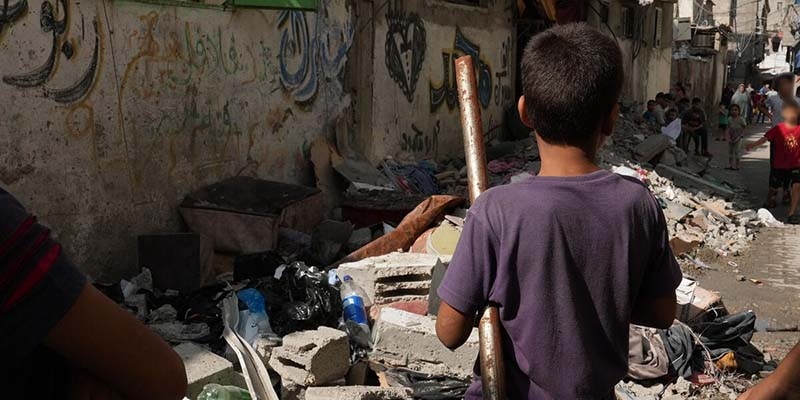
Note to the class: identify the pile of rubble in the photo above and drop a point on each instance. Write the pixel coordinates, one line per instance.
(267, 247)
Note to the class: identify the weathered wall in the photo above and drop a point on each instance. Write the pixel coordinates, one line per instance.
(413, 107)
(153, 103)
(647, 63)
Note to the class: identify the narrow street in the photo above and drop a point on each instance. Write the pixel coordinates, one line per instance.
(773, 259)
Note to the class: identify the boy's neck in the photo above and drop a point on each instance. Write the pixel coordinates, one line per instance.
(789, 125)
(564, 160)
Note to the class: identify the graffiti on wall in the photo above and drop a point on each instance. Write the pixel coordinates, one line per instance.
(10, 12)
(502, 88)
(446, 92)
(60, 44)
(305, 56)
(405, 47)
(420, 142)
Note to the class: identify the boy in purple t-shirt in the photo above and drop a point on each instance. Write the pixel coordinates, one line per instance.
(573, 256)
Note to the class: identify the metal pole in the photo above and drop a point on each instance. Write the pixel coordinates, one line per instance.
(493, 374)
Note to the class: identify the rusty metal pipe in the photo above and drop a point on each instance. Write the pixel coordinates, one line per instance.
(472, 126)
(493, 373)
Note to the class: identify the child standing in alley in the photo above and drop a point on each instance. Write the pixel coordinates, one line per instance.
(785, 140)
(734, 135)
(572, 256)
(723, 122)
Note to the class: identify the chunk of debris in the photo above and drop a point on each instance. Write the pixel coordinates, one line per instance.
(358, 393)
(393, 277)
(408, 340)
(204, 367)
(652, 147)
(312, 358)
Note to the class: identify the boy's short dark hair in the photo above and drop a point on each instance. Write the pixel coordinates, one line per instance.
(660, 95)
(651, 102)
(736, 106)
(572, 78)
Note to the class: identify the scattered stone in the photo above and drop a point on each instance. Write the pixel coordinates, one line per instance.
(408, 340)
(741, 278)
(312, 358)
(393, 277)
(358, 393)
(676, 212)
(165, 313)
(204, 367)
(177, 332)
(686, 179)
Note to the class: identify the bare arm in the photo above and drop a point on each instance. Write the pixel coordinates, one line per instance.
(656, 312)
(783, 384)
(113, 347)
(453, 327)
(757, 143)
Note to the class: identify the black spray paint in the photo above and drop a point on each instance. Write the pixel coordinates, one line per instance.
(405, 47)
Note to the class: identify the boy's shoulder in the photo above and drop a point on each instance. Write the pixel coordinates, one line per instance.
(543, 192)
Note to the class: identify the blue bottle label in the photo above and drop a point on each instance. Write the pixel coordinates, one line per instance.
(354, 310)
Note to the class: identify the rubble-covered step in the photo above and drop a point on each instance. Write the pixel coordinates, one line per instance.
(685, 179)
(393, 277)
(409, 340)
(204, 367)
(312, 358)
(358, 393)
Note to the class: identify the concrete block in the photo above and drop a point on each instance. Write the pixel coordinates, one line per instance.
(312, 358)
(685, 179)
(652, 147)
(204, 367)
(358, 393)
(393, 277)
(409, 340)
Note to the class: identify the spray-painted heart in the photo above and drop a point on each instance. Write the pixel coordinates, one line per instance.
(405, 49)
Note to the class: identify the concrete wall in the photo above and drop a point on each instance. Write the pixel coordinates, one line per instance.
(412, 108)
(141, 104)
(647, 66)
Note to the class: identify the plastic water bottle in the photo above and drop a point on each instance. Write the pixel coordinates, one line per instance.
(354, 300)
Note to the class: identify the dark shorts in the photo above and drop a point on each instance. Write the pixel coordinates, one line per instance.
(780, 178)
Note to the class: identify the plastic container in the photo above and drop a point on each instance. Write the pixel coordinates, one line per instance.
(254, 321)
(354, 301)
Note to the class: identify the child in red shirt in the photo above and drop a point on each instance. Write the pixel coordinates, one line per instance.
(785, 137)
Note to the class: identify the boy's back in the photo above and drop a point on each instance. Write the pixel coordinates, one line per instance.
(574, 255)
(565, 259)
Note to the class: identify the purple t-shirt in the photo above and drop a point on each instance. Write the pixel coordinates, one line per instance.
(565, 259)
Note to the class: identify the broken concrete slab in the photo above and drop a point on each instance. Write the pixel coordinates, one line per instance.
(686, 179)
(393, 277)
(312, 358)
(204, 367)
(403, 339)
(652, 147)
(358, 393)
(676, 212)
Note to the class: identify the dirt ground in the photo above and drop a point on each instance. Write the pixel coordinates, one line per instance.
(773, 259)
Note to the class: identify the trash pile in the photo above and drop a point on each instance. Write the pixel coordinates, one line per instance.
(266, 298)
